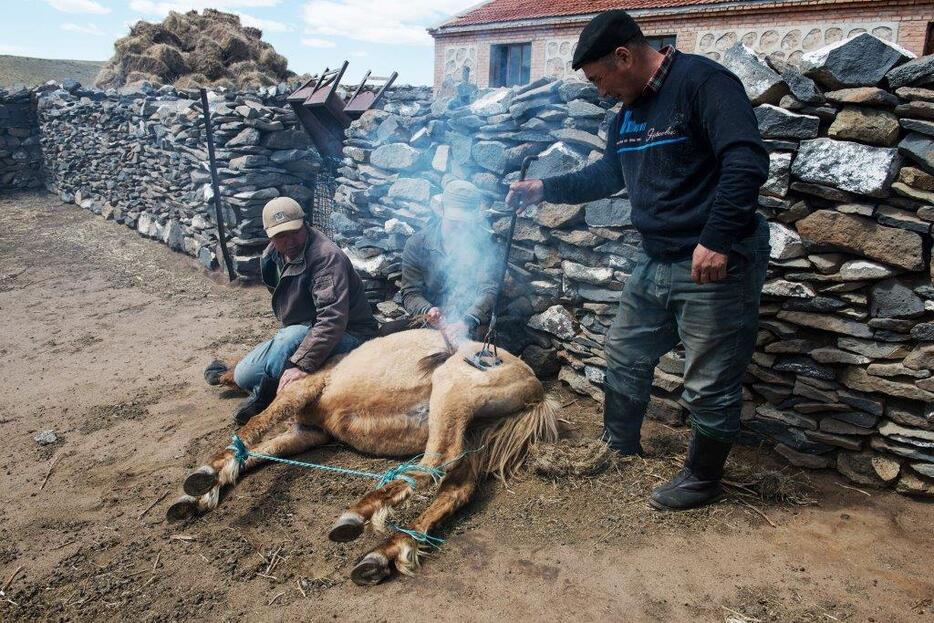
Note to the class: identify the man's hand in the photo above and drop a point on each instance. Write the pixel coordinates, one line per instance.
(433, 316)
(290, 376)
(525, 193)
(455, 332)
(707, 266)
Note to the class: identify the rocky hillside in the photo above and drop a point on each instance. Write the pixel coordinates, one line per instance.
(192, 49)
(23, 71)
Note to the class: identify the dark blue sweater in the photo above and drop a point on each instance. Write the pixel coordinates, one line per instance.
(690, 156)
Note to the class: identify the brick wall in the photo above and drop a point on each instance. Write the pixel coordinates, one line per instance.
(909, 17)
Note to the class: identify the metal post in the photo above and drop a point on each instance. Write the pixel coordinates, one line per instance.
(215, 187)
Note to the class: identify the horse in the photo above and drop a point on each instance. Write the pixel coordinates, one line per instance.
(404, 394)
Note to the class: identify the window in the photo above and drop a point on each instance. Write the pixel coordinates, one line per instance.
(929, 40)
(661, 41)
(510, 64)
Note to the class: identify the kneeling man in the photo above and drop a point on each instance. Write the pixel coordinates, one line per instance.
(316, 295)
(447, 268)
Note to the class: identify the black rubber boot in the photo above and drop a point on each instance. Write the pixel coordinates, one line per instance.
(698, 482)
(212, 374)
(260, 398)
(622, 422)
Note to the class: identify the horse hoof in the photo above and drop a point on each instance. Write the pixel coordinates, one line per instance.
(371, 570)
(200, 481)
(214, 371)
(183, 508)
(347, 527)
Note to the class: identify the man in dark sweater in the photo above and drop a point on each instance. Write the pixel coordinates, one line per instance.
(686, 146)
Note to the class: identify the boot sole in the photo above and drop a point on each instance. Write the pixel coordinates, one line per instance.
(658, 506)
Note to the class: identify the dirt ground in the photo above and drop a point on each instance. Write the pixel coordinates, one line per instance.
(103, 339)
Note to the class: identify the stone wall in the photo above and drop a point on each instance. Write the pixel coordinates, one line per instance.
(842, 374)
(20, 158)
(140, 158)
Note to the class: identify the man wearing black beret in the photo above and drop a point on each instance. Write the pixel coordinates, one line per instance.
(686, 146)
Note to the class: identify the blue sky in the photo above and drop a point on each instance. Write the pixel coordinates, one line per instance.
(381, 35)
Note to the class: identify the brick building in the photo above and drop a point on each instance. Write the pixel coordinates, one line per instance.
(505, 42)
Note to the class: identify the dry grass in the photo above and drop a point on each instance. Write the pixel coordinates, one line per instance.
(191, 50)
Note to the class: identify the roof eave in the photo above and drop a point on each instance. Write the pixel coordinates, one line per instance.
(442, 29)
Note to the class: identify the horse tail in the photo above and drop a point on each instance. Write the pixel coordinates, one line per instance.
(429, 363)
(505, 442)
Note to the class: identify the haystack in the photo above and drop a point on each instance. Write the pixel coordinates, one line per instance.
(187, 50)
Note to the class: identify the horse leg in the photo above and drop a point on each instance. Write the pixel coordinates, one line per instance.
(296, 440)
(401, 550)
(448, 415)
(223, 468)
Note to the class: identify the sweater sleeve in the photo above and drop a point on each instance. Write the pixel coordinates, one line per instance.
(413, 277)
(595, 181)
(729, 124)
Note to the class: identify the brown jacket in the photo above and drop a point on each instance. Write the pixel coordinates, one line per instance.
(320, 289)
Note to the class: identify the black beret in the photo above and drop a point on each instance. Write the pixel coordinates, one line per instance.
(603, 34)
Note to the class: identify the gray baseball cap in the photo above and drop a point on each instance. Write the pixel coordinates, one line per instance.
(461, 201)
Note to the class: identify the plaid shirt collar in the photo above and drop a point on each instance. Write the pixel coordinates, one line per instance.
(655, 82)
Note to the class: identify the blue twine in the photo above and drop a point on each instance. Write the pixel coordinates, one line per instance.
(242, 453)
(421, 537)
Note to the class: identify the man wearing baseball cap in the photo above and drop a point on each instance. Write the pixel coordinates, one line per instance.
(447, 267)
(686, 146)
(316, 295)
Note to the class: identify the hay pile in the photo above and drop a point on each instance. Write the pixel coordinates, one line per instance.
(189, 50)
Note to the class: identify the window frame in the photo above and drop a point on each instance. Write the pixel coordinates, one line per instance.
(504, 64)
(662, 40)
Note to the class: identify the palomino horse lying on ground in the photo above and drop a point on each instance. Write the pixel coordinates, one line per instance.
(399, 395)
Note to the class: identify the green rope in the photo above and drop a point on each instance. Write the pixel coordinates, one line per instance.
(421, 537)
(242, 453)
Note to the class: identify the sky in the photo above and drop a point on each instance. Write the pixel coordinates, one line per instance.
(378, 35)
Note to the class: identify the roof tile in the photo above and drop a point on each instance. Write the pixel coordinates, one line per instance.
(511, 10)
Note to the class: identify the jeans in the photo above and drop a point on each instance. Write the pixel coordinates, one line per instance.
(269, 358)
(717, 323)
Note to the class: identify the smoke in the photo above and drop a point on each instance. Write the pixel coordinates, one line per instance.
(469, 268)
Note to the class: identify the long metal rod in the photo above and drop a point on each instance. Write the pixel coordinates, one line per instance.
(215, 186)
(512, 228)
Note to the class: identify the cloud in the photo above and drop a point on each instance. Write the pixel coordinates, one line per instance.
(266, 25)
(87, 29)
(311, 42)
(161, 9)
(78, 6)
(154, 7)
(380, 21)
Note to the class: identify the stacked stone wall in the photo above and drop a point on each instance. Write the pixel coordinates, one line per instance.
(20, 157)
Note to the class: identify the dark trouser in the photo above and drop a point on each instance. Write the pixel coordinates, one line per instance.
(717, 323)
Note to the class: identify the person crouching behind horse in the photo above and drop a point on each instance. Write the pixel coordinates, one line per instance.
(447, 275)
(316, 295)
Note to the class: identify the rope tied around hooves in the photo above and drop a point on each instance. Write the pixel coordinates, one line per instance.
(399, 472)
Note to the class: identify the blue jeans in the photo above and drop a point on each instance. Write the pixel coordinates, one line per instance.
(717, 323)
(269, 357)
